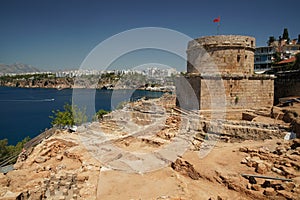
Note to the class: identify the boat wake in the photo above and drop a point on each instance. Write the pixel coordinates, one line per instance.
(26, 100)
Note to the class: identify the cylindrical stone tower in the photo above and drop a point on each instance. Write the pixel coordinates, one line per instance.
(229, 54)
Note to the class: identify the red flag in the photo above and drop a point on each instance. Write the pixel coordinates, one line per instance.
(217, 19)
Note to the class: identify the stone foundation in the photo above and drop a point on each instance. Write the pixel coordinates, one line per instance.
(234, 92)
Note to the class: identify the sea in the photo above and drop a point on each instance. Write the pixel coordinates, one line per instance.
(25, 111)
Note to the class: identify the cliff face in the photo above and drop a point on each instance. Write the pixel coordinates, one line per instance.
(38, 83)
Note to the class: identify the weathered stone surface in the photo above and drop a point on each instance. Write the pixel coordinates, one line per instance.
(289, 116)
(4, 180)
(276, 113)
(82, 178)
(59, 157)
(40, 159)
(288, 186)
(296, 180)
(48, 167)
(255, 187)
(252, 180)
(233, 55)
(223, 50)
(261, 168)
(248, 116)
(243, 149)
(296, 127)
(186, 168)
(62, 198)
(287, 195)
(269, 192)
(266, 184)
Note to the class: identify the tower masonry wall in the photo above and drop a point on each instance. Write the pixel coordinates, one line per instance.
(238, 92)
(225, 54)
(220, 74)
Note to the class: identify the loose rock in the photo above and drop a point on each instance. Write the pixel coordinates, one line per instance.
(269, 192)
(261, 168)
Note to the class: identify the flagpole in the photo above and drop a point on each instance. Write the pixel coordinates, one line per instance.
(218, 20)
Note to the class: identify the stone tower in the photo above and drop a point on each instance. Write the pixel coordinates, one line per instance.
(233, 54)
(221, 69)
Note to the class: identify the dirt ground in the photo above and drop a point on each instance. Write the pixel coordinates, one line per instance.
(223, 161)
(81, 165)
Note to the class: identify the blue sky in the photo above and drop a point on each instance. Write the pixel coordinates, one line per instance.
(58, 34)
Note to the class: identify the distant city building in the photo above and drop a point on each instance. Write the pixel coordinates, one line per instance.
(290, 50)
(155, 72)
(284, 65)
(278, 55)
(263, 58)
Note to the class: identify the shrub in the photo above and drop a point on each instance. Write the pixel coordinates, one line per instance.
(71, 115)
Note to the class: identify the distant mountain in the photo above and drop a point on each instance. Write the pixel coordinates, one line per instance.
(17, 68)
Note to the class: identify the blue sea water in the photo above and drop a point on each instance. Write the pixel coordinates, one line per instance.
(26, 111)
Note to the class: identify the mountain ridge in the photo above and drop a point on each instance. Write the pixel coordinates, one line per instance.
(17, 68)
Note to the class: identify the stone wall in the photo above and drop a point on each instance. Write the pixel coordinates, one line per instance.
(240, 92)
(240, 130)
(286, 84)
(226, 53)
(187, 92)
(230, 92)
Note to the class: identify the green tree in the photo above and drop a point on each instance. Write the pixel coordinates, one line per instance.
(71, 115)
(271, 40)
(277, 57)
(79, 115)
(9, 153)
(3, 148)
(285, 35)
(100, 114)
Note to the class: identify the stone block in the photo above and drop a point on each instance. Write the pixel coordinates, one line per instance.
(248, 116)
(286, 194)
(261, 168)
(59, 157)
(255, 187)
(269, 192)
(40, 159)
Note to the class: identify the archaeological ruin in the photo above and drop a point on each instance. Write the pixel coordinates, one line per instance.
(220, 73)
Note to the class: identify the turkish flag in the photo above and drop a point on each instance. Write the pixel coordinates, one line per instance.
(217, 19)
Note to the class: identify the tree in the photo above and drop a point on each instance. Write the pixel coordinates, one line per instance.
(271, 40)
(79, 115)
(9, 153)
(71, 115)
(100, 114)
(3, 148)
(277, 57)
(285, 35)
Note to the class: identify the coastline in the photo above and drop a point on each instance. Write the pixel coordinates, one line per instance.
(59, 87)
(69, 83)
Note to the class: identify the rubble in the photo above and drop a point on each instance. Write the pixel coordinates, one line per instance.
(63, 167)
(186, 169)
(278, 162)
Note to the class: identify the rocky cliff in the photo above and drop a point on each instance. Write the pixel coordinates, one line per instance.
(38, 83)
